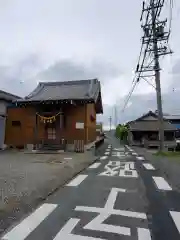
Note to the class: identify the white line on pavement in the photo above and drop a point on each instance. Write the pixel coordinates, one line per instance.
(134, 154)
(68, 158)
(112, 197)
(22, 230)
(103, 157)
(65, 232)
(144, 234)
(148, 166)
(161, 183)
(98, 225)
(176, 218)
(106, 153)
(140, 158)
(125, 213)
(76, 181)
(95, 165)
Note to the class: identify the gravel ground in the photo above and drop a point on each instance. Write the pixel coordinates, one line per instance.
(169, 167)
(27, 179)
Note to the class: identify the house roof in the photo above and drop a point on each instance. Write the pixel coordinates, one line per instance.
(69, 90)
(150, 126)
(144, 124)
(8, 96)
(172, 117)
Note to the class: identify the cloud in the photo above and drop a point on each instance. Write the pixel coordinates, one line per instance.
(64, 70)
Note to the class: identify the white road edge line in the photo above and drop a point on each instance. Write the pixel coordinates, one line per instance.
(144, 234)
(22, 230)
(148, 166)
(103, 157)
(95, 165)
(161, 183)
(176, 218)
(76, 181)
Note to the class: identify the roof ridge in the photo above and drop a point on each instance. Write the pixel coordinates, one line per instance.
(69, 82)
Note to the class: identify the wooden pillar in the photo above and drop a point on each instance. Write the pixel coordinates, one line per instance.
(36, 133)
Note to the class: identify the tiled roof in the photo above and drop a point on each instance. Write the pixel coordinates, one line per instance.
(149, 126)
(8, 96)
(172, 117)
(73, 90)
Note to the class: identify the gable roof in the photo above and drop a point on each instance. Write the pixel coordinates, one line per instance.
(8, 96)
(149, 114)
(149, 125)
(172, 117)
(69, 90)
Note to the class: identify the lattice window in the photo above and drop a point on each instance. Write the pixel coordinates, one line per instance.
(51, 133)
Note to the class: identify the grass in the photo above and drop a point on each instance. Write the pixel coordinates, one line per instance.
(167, 154)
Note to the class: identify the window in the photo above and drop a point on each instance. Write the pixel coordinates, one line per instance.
(51, 132)
(16, 123)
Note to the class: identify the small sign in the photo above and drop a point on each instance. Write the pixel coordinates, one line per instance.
(79, 125)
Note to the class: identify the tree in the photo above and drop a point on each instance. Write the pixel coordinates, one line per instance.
(122, 132)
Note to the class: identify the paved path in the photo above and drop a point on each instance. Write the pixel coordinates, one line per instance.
(121, 196)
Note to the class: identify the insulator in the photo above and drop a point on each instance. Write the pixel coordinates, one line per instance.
(160, 31)
(146, 32)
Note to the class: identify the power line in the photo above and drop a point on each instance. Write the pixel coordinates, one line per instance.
(136, 80)
(155, 40)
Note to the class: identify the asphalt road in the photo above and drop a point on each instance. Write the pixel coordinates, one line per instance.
(121, 196)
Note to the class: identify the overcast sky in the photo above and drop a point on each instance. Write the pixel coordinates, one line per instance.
(79, 39)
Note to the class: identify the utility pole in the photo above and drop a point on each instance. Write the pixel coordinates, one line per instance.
(157, 78)
(155, 40)
(110, 123)
(115, 116)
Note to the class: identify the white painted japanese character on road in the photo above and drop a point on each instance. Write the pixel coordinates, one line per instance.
(122, 169)
(97, 223)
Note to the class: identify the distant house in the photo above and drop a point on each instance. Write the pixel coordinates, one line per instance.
(144, 131)
(56, 115)
(5, 99)
(175, 121)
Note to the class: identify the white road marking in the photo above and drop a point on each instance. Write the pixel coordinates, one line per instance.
(161, 183)
(112, 197)
(103, 157)
(134, 154)
(108, 210)
(76, 181)
(22, 230)
(106, 153)
(122, 169)
(140, 158)
(144, 234)
(119, 149)
(148, 166)
(176, 218)
(98, 225)
(68, 158)
(95, 165)
(65, 232)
